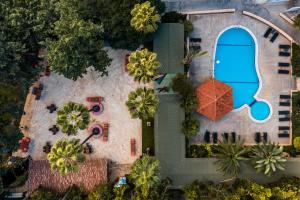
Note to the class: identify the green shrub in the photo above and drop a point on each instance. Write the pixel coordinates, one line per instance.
(291, 150)
(296, 142)
(296, 114)
(74, 193)
(188, 27)
(192, 191)
(44, 194)
(190, 126)
(297, 21)
(101, 192)
(296, 59)
(200, 151)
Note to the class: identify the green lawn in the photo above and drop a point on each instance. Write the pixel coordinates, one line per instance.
(148, 136)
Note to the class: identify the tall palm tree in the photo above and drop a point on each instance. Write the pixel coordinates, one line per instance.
(142, 65)
(142, 103)
(268, 158)
(145, 175)
(230, 156)
(65, 156)
(73, 116)
(145, 17)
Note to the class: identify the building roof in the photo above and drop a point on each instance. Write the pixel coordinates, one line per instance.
(214, 99)
(168, 44)
(91, 174)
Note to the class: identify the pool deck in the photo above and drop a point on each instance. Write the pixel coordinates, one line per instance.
(273, 84)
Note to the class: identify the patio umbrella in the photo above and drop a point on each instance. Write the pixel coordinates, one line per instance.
(214, 99)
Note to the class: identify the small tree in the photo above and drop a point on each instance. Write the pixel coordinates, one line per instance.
(268, 158)
(190, 126)
(142, 103)
(296, 143)
(145, 175)
(73, 116)
(142, 65)
(65, 156)
(144, 17)
(230, 156)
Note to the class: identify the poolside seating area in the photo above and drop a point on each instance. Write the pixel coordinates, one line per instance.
(272, 34)
(213, 138)
(261, 137)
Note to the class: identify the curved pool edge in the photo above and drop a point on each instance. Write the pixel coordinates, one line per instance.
(257, 71)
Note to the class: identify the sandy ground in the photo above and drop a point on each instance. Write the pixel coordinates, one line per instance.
(114, 88)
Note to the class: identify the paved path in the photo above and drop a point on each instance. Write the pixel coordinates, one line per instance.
(240, 5)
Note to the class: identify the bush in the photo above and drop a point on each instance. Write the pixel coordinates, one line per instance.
(190, 126)
(188, 27)
(296, 114)
(102, 192)
(200, 151)
(296, 142)
(296, 59)
(297, 21)
(74, 193)
(290, 150)
(44, 194)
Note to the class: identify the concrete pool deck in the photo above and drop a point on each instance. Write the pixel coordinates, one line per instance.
(208, 28)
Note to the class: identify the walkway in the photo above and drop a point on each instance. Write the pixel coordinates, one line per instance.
(265, 11)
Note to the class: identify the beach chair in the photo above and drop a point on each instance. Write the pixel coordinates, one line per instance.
(257, 137)
(95, 99)
(207, 137)
(265, 137)
(233, 137)
(215, 137)
(281, 64)
(283, 135)
(283, 128)
(283, 112)
(274, 37)
(132, 147)
(285, 54)
(105, 132)
(267, 33)
(284, 46)
(284, 119)
(284, 104)
(225, 136)
(285, 96)
(283, 71)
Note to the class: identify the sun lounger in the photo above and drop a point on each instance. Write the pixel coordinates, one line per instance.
(284, 103)
(283, 112)
(283, 128)
(233, 137)
(274, 37)
(195, 40)
(281, 64)
(283, 135)
(284, 46)
(207, 137)
(285, 96)
(286, 54)
(285, 119)
(132, 147)
(267, 33)
(257, 137)
(225, 136)
(105, 132)
(96, 99)
(265, 137)
(283, 71)
(215, 137)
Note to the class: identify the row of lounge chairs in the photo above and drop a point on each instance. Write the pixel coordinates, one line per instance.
(284, 116)
(271, 32)
(284, 50)
(208, 136)
(284, 100)
(261, 138)
(284, 131)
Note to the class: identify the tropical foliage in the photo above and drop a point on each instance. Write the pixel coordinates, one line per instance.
(297, 21)
(190, 126)
(268, 158)
(200, 151)
(145, 175)
(191, 55)
(230, 156)
(77, 44)
(295, 60)
(44, 194)
(65, 156)
(145, 18)
(296, 143)
(73, 116)
(142, 65)
(101, 192)
(142, 103)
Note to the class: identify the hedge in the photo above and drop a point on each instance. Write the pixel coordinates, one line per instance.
(296, 59)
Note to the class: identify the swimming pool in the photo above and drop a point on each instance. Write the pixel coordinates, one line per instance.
(235, 64)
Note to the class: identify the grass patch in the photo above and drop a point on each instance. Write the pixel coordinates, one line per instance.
(148, 137)
(296, 114)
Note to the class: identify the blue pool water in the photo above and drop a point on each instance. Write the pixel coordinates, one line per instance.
(235, 65)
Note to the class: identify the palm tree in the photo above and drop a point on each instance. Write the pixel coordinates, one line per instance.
(192, 54)
(142, 103)
(142, 65)
(73, 116)
(268, 158)
(145, 175)
(144, 18)
(65, 156)
(230, 155)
